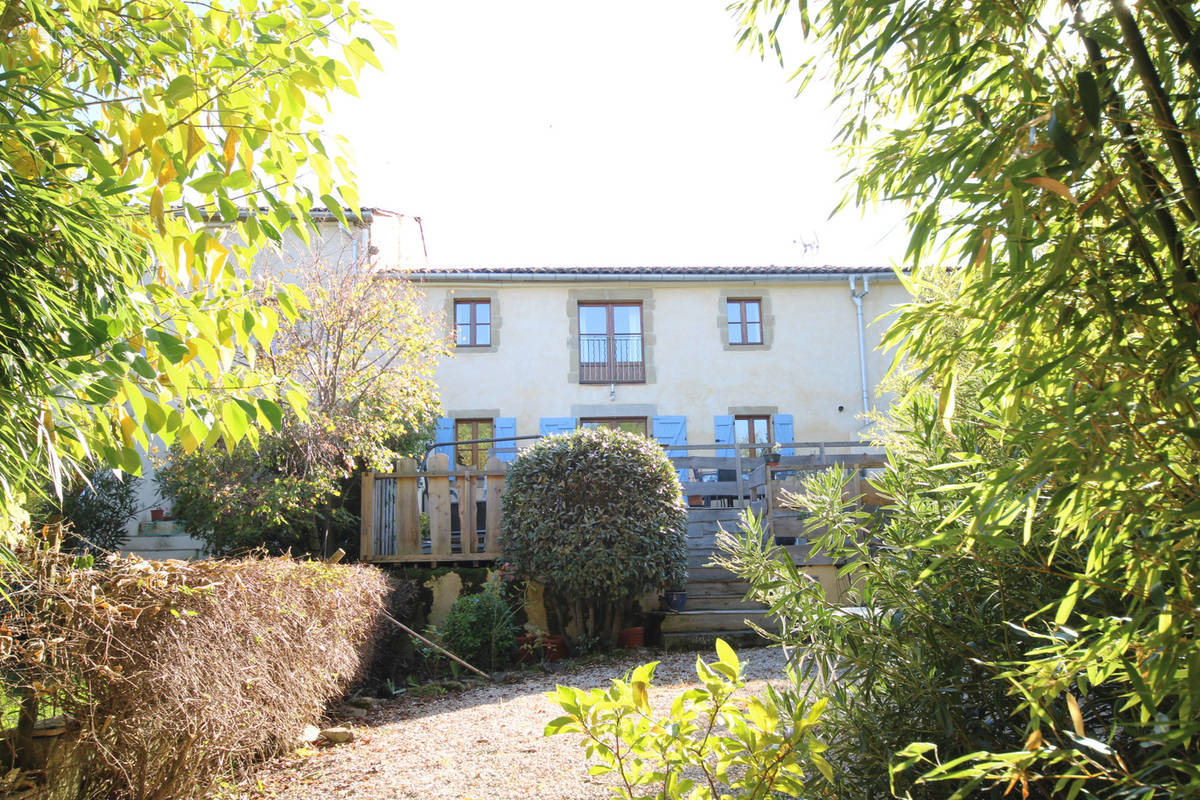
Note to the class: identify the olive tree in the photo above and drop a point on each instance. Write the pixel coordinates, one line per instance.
(596, 516)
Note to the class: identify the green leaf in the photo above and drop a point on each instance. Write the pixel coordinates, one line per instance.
(156, 417)
(561, 725)
(272, 411)
(209, 183)
(1062, 140)
(179, 88)
(1089, 96)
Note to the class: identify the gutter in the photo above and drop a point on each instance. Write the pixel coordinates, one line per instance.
(857, 297)
(431, 276)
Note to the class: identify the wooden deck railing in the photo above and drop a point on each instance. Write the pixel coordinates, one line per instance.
(463, 505)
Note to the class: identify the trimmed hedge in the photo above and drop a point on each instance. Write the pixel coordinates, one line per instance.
(598, 517)
(177, 673)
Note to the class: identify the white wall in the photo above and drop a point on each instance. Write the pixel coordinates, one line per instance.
(810, 368)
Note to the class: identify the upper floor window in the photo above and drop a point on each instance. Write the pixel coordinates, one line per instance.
(752, 429)
(473, 455)
(745, 321)
(473, 323)
(629, 424)
(610, 343)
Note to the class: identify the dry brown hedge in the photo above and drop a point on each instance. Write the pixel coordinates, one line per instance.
(179, 674)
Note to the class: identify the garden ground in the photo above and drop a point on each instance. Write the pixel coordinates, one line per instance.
(483, 743)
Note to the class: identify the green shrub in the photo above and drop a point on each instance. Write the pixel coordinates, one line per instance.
(735, 747)
(479, 629)
(94, 512)
(596, 516)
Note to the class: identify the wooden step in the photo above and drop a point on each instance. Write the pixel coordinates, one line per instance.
(714, 514)
(174, 541)
(710, 588)
(709, 620)
(699, 574)
(722, 602)
(699, 558)
(706, 640)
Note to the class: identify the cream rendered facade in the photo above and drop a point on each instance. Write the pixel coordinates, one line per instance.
(805, 375)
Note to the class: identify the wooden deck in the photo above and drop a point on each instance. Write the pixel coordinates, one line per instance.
(462, 499)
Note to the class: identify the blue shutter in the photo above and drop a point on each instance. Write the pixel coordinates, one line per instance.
(670, 430)
(723, 433)
(785, 432)
(506, 426)
(551, 425)
(444, 432)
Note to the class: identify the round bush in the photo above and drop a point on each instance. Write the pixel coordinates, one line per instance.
(597, 516)
(479, 629)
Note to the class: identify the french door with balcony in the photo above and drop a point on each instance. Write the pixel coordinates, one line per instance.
(610, 343)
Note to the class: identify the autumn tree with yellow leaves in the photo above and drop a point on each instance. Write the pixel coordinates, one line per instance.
(126, 129)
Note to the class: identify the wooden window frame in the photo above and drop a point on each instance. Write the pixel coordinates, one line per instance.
(478, 451)
(750, 419)
(472, 324)
(742, 302)
(611, 370)
(613, 422)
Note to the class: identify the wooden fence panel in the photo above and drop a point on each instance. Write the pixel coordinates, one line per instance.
(385, 516)
(437, 481)
(495, 470)
(366, 538)
(392, 501)
(408, 508)
(467, 513)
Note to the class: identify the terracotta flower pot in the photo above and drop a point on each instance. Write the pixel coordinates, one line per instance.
(531, 648)
(631, 638)
(554, 648)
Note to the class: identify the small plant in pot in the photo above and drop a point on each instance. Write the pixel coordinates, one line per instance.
(772, 455)
(537, 645)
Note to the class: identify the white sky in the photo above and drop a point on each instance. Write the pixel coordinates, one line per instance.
(622, 132)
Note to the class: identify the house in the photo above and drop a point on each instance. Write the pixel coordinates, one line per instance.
(683, 354)
(719, 364)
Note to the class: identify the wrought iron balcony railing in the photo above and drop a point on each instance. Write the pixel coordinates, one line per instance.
(611, 358)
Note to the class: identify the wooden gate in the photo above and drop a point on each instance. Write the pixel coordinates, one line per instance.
(462, 509)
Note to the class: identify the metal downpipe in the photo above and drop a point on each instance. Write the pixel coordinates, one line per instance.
(857, 297)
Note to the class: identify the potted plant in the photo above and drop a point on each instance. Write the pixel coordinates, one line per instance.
(538, 645)
(675, 597)
(772, 455)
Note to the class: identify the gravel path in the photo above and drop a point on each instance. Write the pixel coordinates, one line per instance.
(482, 743)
